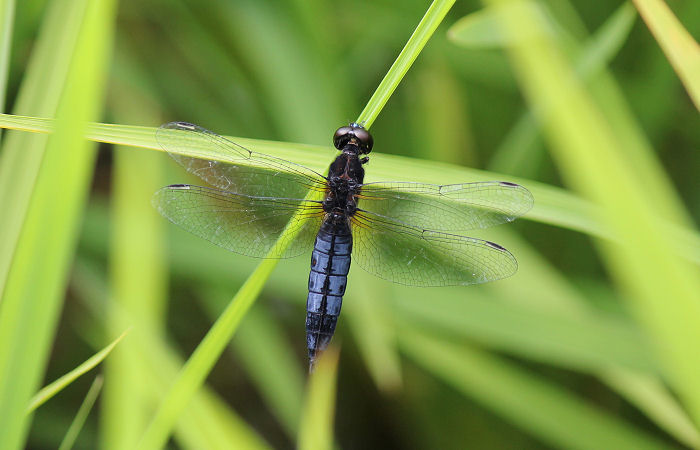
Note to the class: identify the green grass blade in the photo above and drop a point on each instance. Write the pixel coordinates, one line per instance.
(39, 94)
(316, 432)
(679, 46)
(57, 386)
(607, 41)
(35, 286)
(554, 205)
(430, 21)
(555, 416)
(7, 12)
(79, 420)
(642, 262)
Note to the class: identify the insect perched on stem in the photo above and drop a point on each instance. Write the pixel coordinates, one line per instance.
(409, 233)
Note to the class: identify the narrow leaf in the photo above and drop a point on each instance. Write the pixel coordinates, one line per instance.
(81, 417)
(35, 287)
(430, 21)
(679, 46)
(7, 13)
(554, 206)
(57, 386)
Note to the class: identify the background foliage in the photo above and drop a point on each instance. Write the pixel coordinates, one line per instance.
(593, 344)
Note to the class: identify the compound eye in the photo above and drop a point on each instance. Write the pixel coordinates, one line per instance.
(342, 136)
(366, 141)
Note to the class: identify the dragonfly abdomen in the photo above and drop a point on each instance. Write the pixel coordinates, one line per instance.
(330, 263)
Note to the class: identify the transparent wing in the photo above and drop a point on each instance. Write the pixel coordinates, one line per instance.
(240, 223)
(238, 169)
(412, 256)
(451, 207)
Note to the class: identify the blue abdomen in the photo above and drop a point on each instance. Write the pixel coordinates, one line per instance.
(330, 263)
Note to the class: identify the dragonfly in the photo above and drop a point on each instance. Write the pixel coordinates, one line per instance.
(405, 232)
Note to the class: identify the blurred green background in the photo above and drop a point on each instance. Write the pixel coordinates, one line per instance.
(560, 355)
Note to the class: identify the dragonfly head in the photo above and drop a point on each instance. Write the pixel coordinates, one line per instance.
(355, 135)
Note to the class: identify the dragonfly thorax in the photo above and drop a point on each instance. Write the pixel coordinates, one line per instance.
(341, 196)
(345, 176)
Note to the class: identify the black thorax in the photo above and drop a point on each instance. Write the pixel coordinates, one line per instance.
(345, 175)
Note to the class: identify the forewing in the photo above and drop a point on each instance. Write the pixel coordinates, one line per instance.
(452, 207)
(236, 169)
(412, 256)
(240, 223)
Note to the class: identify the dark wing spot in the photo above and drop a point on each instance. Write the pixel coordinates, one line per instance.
(186, 125)
(507, 183)
(496, 246)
